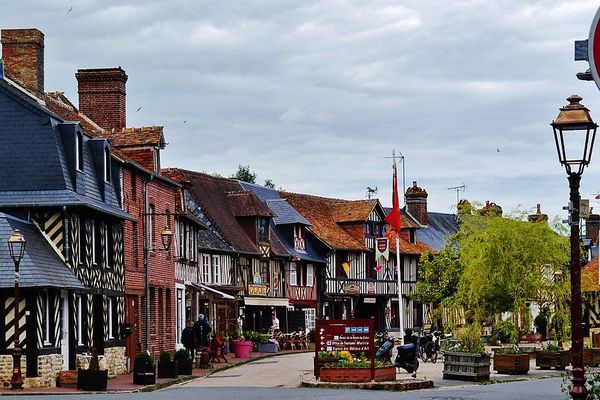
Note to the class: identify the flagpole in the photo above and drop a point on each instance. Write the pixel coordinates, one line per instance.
(400, 313)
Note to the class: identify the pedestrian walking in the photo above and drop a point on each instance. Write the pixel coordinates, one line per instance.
(188, 338)
(274, 323)
(206, 330)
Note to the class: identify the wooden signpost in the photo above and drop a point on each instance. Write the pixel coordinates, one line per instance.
(353, 335)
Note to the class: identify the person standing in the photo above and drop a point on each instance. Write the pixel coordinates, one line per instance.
(206, 330)
(274, 323)
(198, 330)
(188, 338)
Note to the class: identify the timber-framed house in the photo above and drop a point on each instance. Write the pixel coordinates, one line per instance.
(63, 190)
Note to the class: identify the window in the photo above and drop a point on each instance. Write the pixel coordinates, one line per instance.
(180, 313)
(79, 151)
(94, 240)
(309, 275)
(262, 229)
(109, 249)
(264, 273)
(46, 317)
(205, 268)
(82, 253)
(80, 330)
(309, 318)
(216, 269)
(294, 274)
(190, 242)
(106, 164)
(298, 237)
(412, 236)
(111, 305)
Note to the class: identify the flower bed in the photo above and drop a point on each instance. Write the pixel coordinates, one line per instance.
(357, 375)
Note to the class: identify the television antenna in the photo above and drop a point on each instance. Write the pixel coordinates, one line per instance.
(458, 189)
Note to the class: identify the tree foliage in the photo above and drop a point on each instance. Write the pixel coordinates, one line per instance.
(244, 173)
(495, 264)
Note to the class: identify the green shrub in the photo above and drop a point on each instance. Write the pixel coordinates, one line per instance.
(508, 350)
(505, 331)
(552, 347)
(164, 357)
(144, 356)
(182, 354)
(470, 340)
(541, 323)
(235, 334)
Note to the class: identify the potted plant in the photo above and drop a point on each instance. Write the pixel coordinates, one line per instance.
(242, 347)
(350, 368)
(469, 361)
(144, 370)
(265, 345)
(511, 360)
(553, 356)
(93, 378)
(505, 331)
(184, 362)
(166, 367)
(234, 335)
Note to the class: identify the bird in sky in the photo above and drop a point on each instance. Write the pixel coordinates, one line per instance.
(70, 9)
(498, 150)
(185, 121)
(139, 108)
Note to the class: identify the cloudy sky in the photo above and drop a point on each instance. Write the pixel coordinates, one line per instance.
(314, 94)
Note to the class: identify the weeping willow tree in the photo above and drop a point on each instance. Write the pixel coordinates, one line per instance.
(495, 264)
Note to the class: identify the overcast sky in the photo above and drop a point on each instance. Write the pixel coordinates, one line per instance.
(314, 94)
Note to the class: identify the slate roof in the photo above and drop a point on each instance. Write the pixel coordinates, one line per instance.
(440, 226)
(321, 213)
(40, 267)
(283, 223)
(39, 159)
(209, 238)
(212, 195)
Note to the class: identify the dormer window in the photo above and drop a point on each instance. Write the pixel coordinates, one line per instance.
(106, 165)
(262, 229)
(298, 237)
(79, 151)
(412, 236)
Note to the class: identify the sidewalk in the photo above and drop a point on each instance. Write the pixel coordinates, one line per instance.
(124, 383)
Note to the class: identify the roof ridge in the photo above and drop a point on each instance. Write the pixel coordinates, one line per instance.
(133, 129)
(282, 192)
(198, 173)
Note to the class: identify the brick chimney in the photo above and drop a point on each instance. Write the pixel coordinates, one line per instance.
(102, 96)
(23, 58)
(592, 227)
(416, 203)
(538, 216)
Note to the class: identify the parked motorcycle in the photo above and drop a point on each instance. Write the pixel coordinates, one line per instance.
(406, 357)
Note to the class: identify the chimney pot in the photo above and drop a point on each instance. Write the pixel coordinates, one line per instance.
(23, 58)
(102, 96)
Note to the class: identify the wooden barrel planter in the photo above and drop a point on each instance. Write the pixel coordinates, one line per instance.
(552, 359)
(511, 363)
(357, 375)
(466, 366)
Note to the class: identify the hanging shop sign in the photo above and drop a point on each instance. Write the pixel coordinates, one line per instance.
(351, 288)
(382, 248)
(258, 290)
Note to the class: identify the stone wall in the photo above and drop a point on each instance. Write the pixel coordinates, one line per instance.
(116, 360)
(48, 368)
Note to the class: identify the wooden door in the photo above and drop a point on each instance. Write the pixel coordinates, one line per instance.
(132, 317)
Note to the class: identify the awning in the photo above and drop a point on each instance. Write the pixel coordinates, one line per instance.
(215, 291)
(266, 301)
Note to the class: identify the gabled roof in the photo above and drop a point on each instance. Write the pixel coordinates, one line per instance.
(59, 104)
(321, 212)
(590, 281)
(40, 267)
(212, 195)
(353, 211)
(245, 204)
(439, 228)
(209, 238)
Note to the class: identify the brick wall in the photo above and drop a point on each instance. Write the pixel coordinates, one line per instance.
(416, 203)
(102, 96)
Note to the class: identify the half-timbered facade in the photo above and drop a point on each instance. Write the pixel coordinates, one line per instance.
(66, 186)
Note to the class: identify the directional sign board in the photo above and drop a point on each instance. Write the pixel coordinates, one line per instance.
(353, 335)
(594, 48)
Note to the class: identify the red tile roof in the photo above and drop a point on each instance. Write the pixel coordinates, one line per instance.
(213, 194)
(244, 203)
(136, 137)
(589, 277)
(58, 103)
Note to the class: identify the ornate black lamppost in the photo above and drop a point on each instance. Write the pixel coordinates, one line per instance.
(16, 247)
(574, 134)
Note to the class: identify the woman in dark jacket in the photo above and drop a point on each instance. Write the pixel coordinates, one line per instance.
(188, 338)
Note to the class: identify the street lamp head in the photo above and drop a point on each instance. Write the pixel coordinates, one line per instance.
(16, 246)
(574, 134)
(166, 236)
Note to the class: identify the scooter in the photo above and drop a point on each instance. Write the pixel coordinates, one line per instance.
(406, 357)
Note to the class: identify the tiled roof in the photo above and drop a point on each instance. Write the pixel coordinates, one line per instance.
(245, 204)
(209, 238)
(408, 221)
(211, 194)
(40, 267)
(59, 104)
(353, 211)
(589, 277)
(284, 212)
(407, 247)
(439, 227)
(321, 213)
(133, 137)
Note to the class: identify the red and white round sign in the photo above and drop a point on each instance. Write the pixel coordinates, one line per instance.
(594, 48)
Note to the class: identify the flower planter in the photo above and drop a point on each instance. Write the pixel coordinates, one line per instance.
(511, 363)
(591, 357)
(552, 359)
(144, 373)
(266, 347)
(91, 380)
(167, 369)
(242, 348)
(466, 366)
(531, 338)
(357, 375)
(184, 367)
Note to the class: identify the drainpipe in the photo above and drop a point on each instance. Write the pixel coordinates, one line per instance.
(146, 250)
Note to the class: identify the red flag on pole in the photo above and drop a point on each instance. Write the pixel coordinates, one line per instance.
(394, 218)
